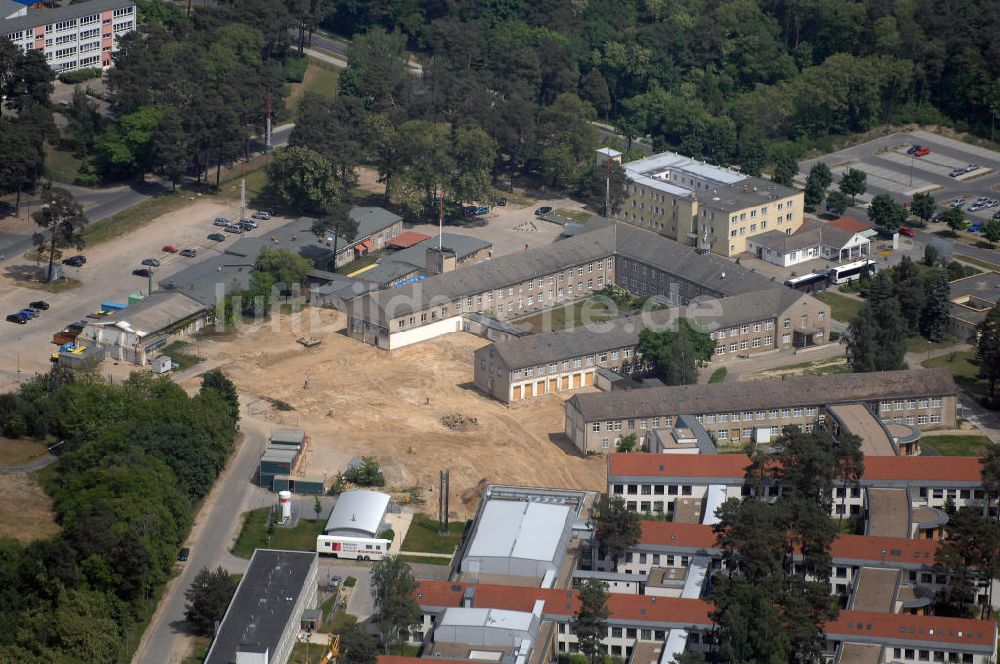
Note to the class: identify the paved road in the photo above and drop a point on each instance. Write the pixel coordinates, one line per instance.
(102, 203)
(214, 530)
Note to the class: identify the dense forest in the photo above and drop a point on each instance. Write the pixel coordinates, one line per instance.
(721, 79)
(135, 460)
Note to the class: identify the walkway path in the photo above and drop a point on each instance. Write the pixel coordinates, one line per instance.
(30, 467)
(323, 57)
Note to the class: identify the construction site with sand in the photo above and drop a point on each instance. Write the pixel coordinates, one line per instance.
(414, 409)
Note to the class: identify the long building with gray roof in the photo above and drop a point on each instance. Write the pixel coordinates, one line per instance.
(538, 279)
(732, 411)
(560, 361)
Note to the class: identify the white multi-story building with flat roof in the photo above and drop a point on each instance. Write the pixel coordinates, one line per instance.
(75, 36)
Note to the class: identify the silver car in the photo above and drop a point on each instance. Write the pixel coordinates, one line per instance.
(151, 262)
(221, 221)
(971, 167)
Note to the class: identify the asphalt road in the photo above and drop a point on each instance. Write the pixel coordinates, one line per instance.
(214, 531)
(102, 203)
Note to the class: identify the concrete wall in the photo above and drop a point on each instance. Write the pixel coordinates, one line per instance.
(415, 335)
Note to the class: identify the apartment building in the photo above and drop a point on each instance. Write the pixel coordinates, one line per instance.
(74, 36)
(714, 208)
(655, 483)
(642, 622)
(534, 280)
(741, 325)
(745, 410)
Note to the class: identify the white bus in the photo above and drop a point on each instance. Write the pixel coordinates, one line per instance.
(358, 548)
(807, 283)
(851, 271)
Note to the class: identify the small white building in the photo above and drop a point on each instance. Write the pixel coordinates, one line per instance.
(841, 240)
(358, 513)
(135, 333)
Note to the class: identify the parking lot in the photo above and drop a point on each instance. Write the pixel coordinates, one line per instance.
(892, 170)
(107, 276)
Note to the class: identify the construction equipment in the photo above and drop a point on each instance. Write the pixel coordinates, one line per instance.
(334, 650)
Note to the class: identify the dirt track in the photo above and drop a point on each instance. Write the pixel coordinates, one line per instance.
(362, 401)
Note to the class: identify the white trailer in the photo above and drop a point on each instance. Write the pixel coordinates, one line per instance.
(358, 548)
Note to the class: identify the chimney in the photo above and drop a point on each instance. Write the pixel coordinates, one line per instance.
(440, 260)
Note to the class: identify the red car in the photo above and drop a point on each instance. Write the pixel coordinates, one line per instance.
(170, 249)
(903, 230)
(921, 152)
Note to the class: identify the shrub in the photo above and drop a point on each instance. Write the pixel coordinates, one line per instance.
(388, 534)
(366, 473)
(295, 69)
(350, 582)
(80, 75)
(86, 177)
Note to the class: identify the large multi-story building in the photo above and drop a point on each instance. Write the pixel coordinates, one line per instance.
(711, 207)
(76, 36)
(534, 280)
(745, 410)
(741, 325)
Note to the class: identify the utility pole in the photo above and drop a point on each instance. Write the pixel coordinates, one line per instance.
(267, 135)
(607, 191)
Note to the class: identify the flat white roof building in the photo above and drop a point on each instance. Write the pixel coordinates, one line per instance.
(519, 538)
(358, 513)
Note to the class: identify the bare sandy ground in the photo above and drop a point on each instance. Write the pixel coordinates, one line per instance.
(362, 401)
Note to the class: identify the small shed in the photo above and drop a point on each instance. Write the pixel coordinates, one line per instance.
(288, 437)
(161, 364)
(312, 619)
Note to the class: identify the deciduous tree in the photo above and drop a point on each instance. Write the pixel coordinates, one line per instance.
(616, 528)
(853, 182)
(590, 623)
(886, 213)
(922, 206)
(396, 609)
(208, 598)
(988, 349)
(302, 180)
(837, 203)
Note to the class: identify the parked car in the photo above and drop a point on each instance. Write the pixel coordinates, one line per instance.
(247, 224)
(27, 313)
(476, 210)
(976, 207)
(35, 311)
(921, 152)
(40, 304)
(913, 149)
(75, 261)
(233, 228)
(502, 202)
(188, 253)
(151, 262)
(17, 318)
(903, 230)
(958, 202)
(334, 582)
(996, 215)
(142, 272)
(221, 221)
(992, 203)
(263, 215)
(183, 554)
(170, 249)
(218, 237)
(545, 209)
(955, 172)
(975, 228)
(971, 167)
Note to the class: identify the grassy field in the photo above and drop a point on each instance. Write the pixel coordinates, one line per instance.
(842, 308)
(963, 367)
(357, 264)
(718, 375)
(423, 536)
(135, 217)
(17, 451)
(921, 345)
(61, 165)
(253, 535)
(321, 78)
(955, 445)
(180, 356)
(576, 314)
(576, 215)
(426, 560)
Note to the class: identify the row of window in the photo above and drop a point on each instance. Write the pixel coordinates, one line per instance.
(576, 362)
(909, 404)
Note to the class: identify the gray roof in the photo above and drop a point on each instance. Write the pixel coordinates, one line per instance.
(263, 604)
(760, 394)
(713, 273)
(519, 529)
(413, 260)
(716, 275)
(371, 220)
(9, 8)
(358, 510)
(36, 17)
(540, 349)
(389, 271)
(156, 312)
(809, 234)
(288, 436)
(984, 288)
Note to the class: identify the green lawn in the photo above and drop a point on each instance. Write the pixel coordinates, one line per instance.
(581, 216)
(963, 367)
(179, 354)
(423, 536)
(135, 217)
(842, 308)
(61, 165)
(253, 535)
(576, 314)
(978, 263)
(426, 560)
(921, 345)
(955, 445)
(358, 264)
(321, 78)
(718, 375)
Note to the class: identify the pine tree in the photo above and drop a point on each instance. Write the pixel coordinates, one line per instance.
(988, 349)
(935, 316)
(861, 332)
(590, 624)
